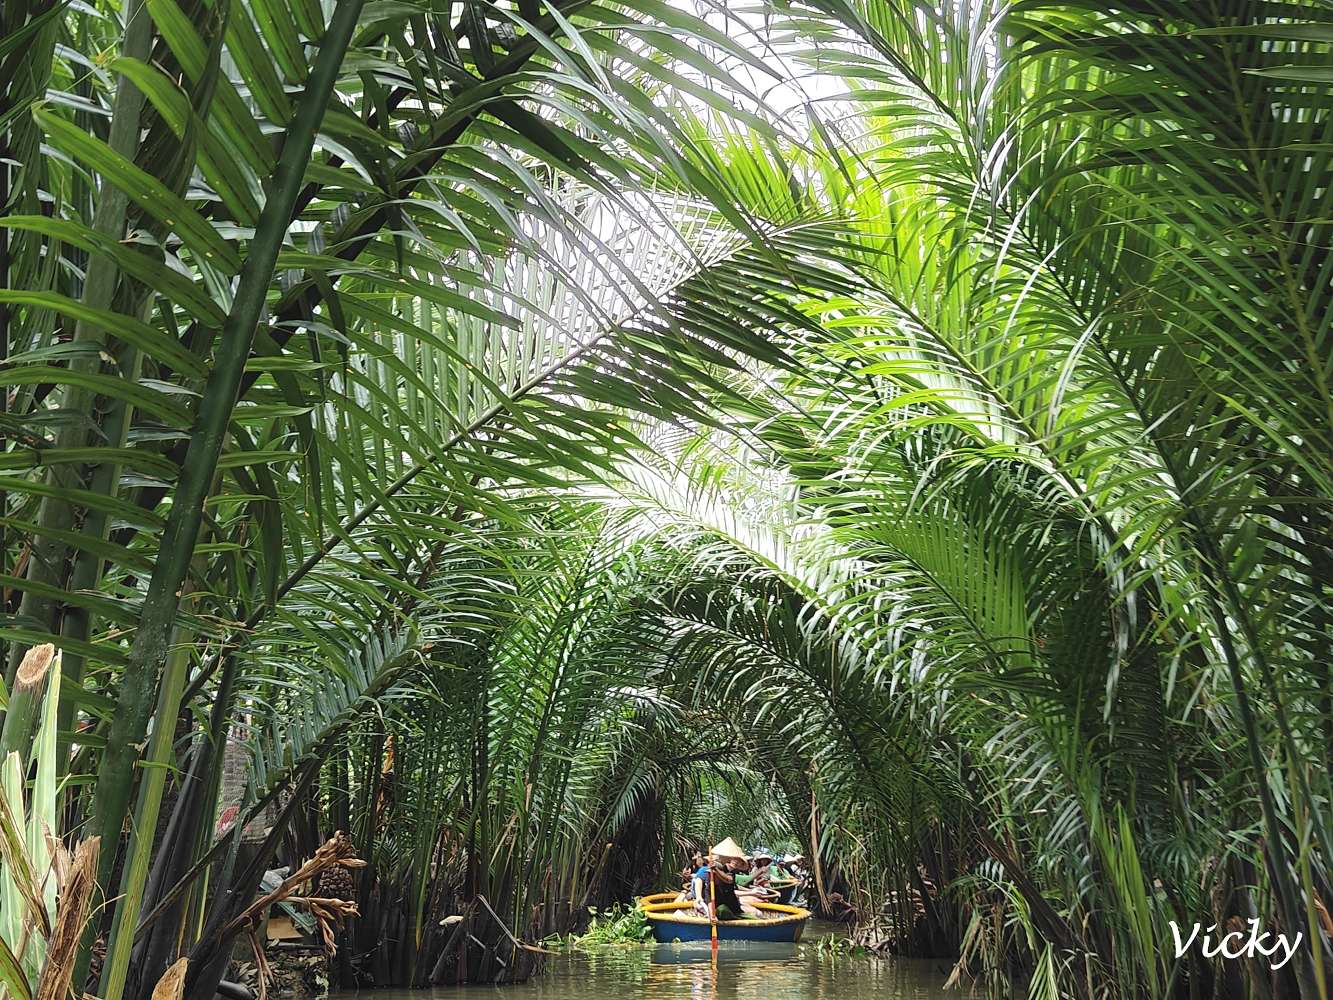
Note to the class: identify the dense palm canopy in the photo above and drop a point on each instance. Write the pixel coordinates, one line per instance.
(537, 437)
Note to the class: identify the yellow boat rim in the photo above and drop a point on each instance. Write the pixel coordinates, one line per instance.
(667, 906)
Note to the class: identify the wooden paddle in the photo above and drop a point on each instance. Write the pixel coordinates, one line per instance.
(712, 905)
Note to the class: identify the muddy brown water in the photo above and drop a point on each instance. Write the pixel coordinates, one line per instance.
(687, 972)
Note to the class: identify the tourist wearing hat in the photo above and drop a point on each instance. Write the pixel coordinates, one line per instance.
(766, 869)
(723, 861)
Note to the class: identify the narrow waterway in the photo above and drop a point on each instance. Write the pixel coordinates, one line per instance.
(687, 972)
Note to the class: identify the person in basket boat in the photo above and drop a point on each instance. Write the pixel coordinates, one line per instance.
(766, 869)
(754, 883)
(730, 868)
(697, 888)
(725, 883)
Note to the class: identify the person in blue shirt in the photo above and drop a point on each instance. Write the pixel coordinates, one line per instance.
(698, 890)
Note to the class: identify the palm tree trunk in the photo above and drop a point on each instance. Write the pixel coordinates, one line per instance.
(148, 653)
(49, 556)
(4, 353)
(160, 754)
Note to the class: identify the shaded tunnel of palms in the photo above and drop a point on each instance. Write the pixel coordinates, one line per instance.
(897, 428)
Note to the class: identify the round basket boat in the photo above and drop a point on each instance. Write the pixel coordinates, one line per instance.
(786, 890)
(674, 919)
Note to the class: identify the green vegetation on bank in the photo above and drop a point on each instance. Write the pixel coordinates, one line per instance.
(537, 439)
(619, 923)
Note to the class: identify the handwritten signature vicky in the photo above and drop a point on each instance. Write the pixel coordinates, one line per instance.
(1245, 945)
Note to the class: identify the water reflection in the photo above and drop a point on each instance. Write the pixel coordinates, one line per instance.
(688, 972)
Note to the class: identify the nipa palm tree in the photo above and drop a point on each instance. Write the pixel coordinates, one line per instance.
(936, 396)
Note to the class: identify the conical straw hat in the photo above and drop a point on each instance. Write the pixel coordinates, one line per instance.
(729, 849)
